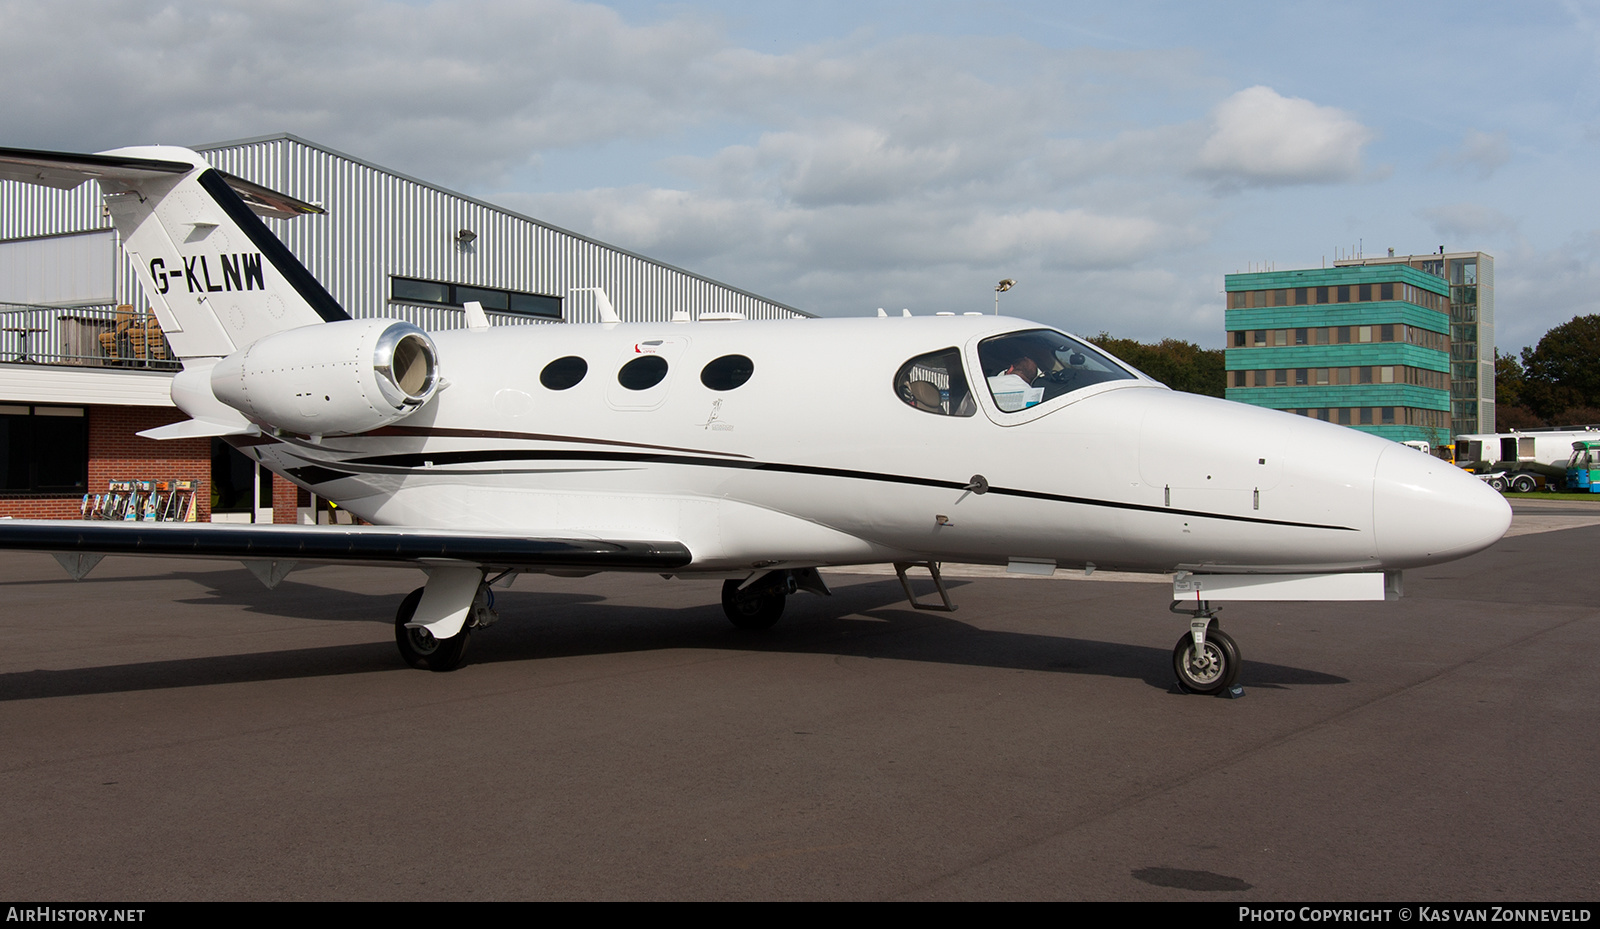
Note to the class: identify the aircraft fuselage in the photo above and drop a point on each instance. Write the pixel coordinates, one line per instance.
(816, 459)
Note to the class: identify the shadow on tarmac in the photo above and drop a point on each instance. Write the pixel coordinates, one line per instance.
(863, 620)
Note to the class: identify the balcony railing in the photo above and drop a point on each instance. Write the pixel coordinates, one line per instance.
(92, 336)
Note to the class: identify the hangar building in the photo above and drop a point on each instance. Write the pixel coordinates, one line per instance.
(84, 366)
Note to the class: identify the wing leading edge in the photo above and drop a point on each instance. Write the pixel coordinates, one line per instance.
(370, 545)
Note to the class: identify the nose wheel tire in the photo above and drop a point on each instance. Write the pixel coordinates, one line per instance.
(1212, 671)
(419, 647)
(754, 610)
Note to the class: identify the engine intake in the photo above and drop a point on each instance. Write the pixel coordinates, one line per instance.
(338, 378)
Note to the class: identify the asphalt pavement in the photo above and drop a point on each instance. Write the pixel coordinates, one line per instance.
(174, 731)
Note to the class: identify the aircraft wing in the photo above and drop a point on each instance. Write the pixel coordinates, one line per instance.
(287, 546)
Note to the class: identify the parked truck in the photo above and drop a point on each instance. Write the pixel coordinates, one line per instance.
(1522, 461)
(1583, 468)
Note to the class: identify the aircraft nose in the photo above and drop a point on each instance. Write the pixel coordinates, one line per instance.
(1425, 511)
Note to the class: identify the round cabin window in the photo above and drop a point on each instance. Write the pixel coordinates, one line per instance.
(564, 372)
(643, 373)
(727, 372)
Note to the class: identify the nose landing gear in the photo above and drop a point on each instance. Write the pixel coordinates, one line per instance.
(1206, 659)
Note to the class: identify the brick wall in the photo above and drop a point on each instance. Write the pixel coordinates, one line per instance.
(115, 452)
(285, 500)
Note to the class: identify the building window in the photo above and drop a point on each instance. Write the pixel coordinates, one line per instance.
(411, 290)
(44, 449)
(1280, 377)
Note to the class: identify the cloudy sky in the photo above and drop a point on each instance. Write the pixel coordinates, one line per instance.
(1116, 159)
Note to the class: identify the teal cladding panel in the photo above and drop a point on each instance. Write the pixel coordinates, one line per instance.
(1373, 313)
(1333, 277)
(1337, 356)
(1434, 437)
(1295, 398)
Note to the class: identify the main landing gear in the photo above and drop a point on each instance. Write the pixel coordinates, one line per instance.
(756, 604)
(418, 645)
(1206, 659)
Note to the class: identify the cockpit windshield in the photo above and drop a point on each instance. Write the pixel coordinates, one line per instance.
(1030, 367)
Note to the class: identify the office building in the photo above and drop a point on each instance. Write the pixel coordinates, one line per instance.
(1471, 279)
(1365, 346)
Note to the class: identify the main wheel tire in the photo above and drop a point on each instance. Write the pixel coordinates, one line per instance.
(1522, 484)
(419, 648)
(1217, 672)
(754, 611)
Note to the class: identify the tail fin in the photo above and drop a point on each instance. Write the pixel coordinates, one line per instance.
(216, 276)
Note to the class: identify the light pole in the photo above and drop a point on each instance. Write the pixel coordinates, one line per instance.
(999, 289)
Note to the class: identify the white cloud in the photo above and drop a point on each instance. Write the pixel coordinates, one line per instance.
(1460, 221)
(1481, 153)
(1259, 138)
(838, 176)
(1536, 289)
(454, 89)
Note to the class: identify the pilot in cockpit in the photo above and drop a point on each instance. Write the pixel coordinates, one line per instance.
(1013, 387)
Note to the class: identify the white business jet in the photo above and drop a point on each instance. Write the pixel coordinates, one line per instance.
(752, 452)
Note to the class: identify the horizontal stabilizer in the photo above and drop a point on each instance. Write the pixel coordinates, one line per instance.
(66, 170)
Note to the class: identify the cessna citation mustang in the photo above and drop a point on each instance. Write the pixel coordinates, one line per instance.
(752, 452)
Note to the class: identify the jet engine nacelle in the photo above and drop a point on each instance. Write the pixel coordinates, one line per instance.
(337, 378)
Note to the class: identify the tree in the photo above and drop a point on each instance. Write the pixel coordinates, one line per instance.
(1180, 365)
(1563, 371)
(1510, 410)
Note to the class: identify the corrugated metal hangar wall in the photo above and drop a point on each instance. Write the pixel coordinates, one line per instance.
(379, 225)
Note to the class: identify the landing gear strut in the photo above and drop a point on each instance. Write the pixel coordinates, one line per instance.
(757, 604)
(422, 649)
(1206, 659)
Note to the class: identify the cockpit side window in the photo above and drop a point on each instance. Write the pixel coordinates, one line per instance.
(1030, 367)
(935, 383)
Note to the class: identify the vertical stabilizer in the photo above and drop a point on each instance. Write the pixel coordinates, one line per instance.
(216, 277)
